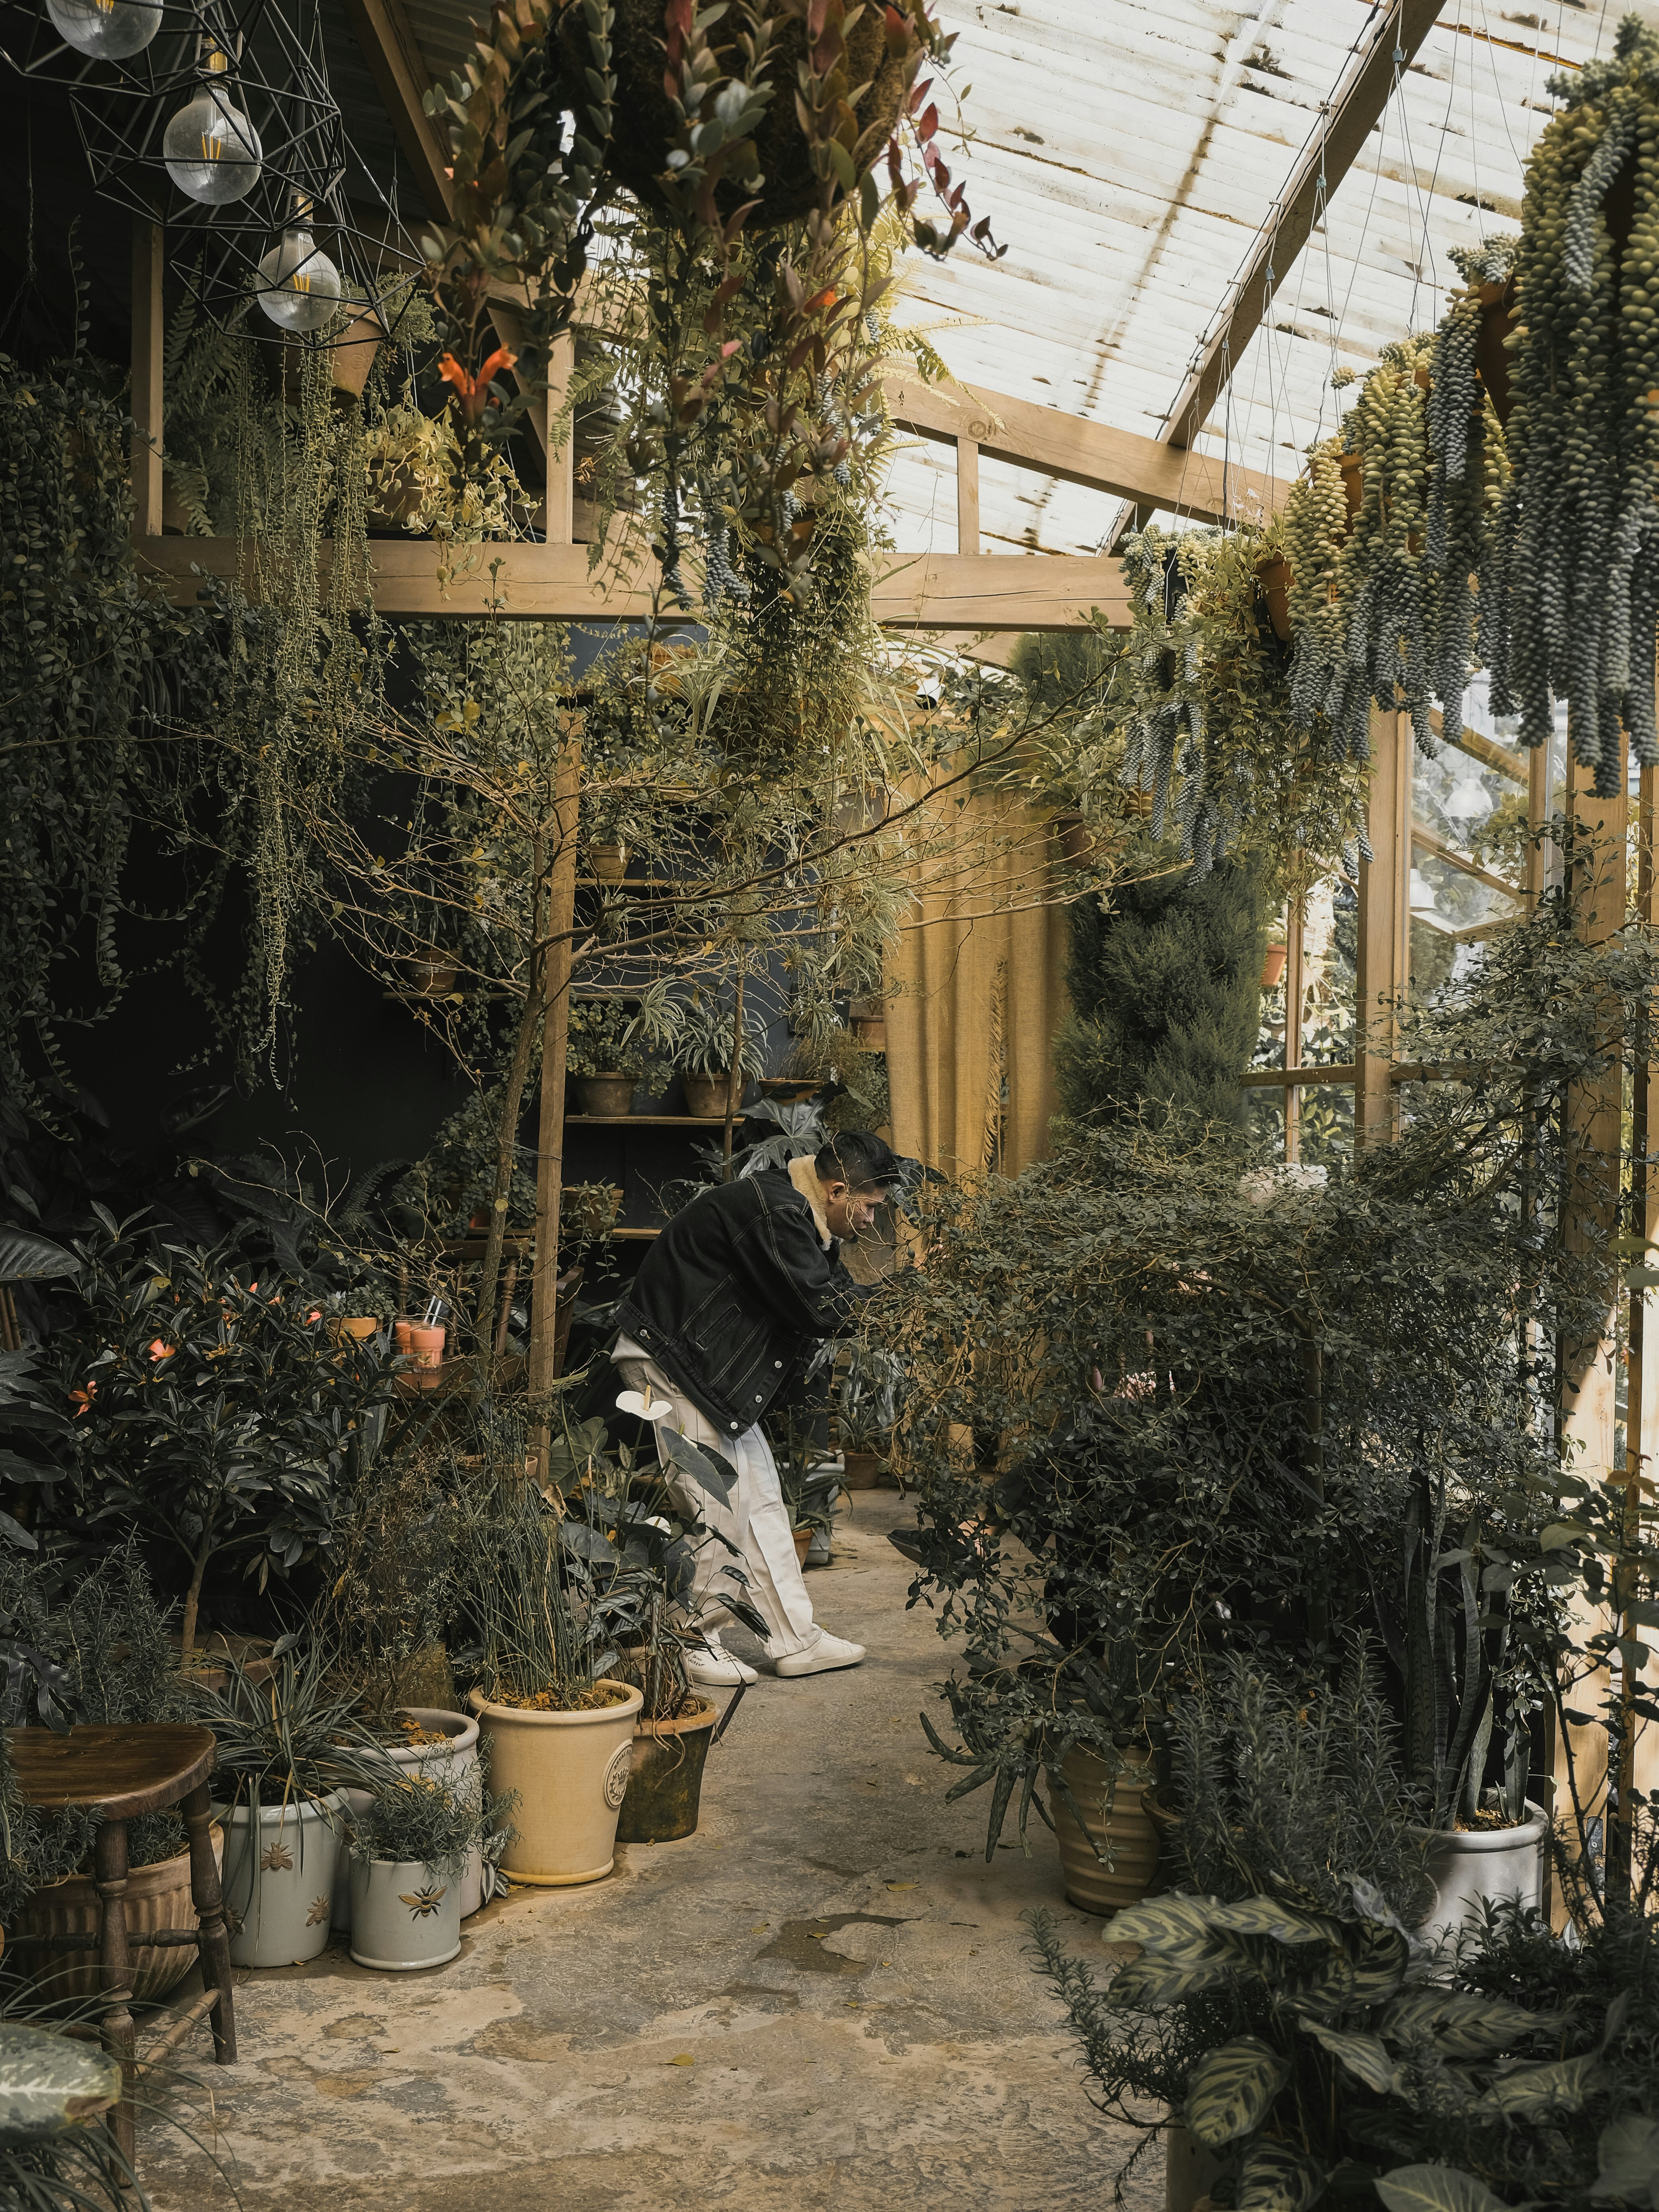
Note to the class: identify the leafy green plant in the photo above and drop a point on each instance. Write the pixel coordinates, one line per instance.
(423, 1818)
(512, 1576)
(391, 1585)
(211, 1413)
(610, 1036)
(706, 1039)
(289, 1736)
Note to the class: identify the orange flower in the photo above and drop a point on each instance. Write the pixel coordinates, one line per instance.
(316, 1314)
(473, 391)
(83, 1398)
(160, 1351)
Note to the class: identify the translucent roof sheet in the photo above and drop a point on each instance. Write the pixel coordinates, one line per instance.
(1129, 152)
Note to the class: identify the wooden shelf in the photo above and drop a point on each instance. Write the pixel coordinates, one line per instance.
(651, 1121)
(635, 1233)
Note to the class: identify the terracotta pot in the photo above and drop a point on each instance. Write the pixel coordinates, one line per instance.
(433, 977)
(706, 1096)
(426, 1348)
(1494, 1862)
(359, 1328)
(571, 1772)
(157, 1897)
(664, 1779)
(1275, 579)
(861, 1470)
(1491, 358)
(1076, 839)
(609, 863)
(608, 1095)
(1272, 966)
(352, 355)
(400, 1330)
(1126, 1830)
(802, 1539)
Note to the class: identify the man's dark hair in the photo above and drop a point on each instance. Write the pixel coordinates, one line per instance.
(859, 1158)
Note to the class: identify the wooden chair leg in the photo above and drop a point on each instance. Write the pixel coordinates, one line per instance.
(212, 1943)
(115, 1964)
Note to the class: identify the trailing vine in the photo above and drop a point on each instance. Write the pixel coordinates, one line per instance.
(1577, 565)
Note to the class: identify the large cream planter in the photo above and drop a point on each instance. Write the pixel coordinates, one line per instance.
(282, 1890)
(1494, 1862)
(157, 1897)
(570, 1771)
(450, 1764)
(402, 1916)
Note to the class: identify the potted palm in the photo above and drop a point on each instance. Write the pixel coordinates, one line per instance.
(559, 1734)
(704, 1053)
(286, 1745)
(411, 1840)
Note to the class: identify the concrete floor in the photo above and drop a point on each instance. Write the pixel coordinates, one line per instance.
(685, 2033)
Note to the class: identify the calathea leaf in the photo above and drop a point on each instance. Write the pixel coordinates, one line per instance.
(1462, 2026)
(1266, 1916)
(1277, 2177)
(1230, 2090)
(1365, 2057)
(1158, 1922)
(1436, 2189)
(1367, 1971)
(1559, 2085)
(1160, 1977)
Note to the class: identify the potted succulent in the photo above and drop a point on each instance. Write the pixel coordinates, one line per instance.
(411, 1840)
(560, 1736)
(704, 1053)
(286, 1747)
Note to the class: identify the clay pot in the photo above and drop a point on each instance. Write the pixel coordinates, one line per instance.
(426, 1348)
(402, 1919)
(1275, 578)
(1272, 966)
(571, 1772)
(1128, 1829)
(279, 1879)
(208, 1670)
(588, 1214)
(1353, 466)
(1076, 839)
(1190, 2170)
(861, 1470)
(449, 1763)
(431, 976)
(1492, 359)
(609, 863)
(400, 1336)
(664, 1780)
(608, 1096)
(353, 353)
(802, 1540)
(157, 1898)
(706, 1096)
(353, 1328)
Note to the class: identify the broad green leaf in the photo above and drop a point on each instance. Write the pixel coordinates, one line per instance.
(1559, 2085)
(1157, 1922)
(1276, 2177)
(1266, 1916)
(26, 1258)
(1230, 2090)
(705, 1468)
(1365, 2057)
(1628, 2158)
(49, 2083)
(1462, 2026)
(1559, 1534)
(1152, 1981)
(1368, 1970)
(1436, 2189)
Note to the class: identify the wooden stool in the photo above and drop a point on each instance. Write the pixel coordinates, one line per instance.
(121, 1773)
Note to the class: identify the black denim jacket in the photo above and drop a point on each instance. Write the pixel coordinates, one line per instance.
(728, 1297)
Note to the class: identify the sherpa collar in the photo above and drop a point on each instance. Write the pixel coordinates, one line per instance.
(804, 1174)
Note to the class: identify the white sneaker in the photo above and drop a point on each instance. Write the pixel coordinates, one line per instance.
(715, 1668)
(823, 1657)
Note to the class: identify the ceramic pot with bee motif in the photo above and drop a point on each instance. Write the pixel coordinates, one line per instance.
(404, 1915)
(279, 1879)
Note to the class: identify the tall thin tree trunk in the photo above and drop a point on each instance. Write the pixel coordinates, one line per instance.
(512, 1107)
(193, 1594)
(550, 1141)
(734, 1078)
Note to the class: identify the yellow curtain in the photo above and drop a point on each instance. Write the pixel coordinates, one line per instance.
(975, 997)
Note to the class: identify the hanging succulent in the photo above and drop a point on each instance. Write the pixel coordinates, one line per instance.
(1201, 700)
(1576, 568)
(1469, 467)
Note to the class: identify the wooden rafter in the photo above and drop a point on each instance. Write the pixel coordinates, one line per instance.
(1325, 162)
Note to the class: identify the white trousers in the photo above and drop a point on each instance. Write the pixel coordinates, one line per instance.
(755, 1519)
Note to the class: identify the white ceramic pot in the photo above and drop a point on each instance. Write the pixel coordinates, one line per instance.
(279, 1879)
(571, 1772)
(402, 1916)
(446, 1763)
(1492, 1863)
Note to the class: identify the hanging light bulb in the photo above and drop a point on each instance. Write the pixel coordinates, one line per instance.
(1466, 799)
(299, 286)
(1419, 893)
(108, 30)
(211, 150)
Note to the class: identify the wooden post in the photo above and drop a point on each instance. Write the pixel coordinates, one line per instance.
(555, 1023)
(1295, 919)
(966, 495)
(1384, 961)
(1595, 859)
(560, 518)
(1537, 814)
(149, 318)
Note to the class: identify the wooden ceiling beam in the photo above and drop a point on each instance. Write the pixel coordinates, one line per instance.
(401, 77)
(1324, 162)
(1148, 471)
